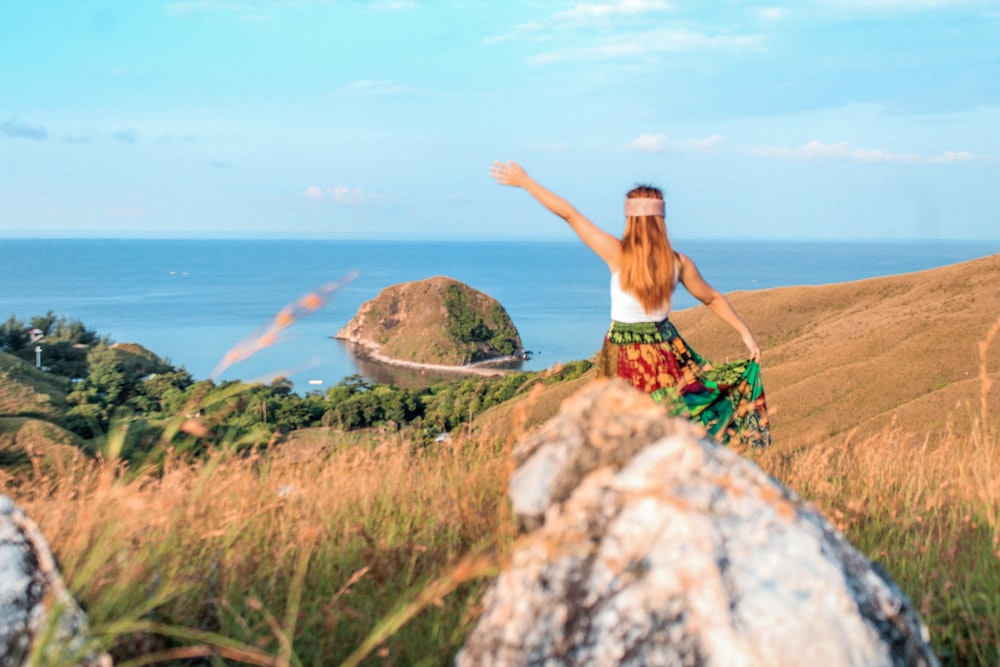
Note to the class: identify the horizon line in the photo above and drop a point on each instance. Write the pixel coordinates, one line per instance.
(509, 239)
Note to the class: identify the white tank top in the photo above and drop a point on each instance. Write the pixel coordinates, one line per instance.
(626, 308)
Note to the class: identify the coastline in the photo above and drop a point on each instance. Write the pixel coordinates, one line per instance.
(117, 288)
(370, 352)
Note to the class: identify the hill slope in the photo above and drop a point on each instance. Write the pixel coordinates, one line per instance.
(26, 390)
(856, 355)
(849, 358)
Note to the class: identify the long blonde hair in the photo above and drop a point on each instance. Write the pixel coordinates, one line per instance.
(647, 259)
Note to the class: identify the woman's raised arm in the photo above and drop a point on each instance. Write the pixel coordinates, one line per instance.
(601, 242)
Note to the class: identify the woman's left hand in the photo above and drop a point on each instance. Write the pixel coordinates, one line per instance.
(509, 173)
(752, 347)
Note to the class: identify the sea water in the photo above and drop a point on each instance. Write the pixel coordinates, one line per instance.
(191, 301)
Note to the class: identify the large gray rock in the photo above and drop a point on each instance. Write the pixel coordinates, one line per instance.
(651, 545)
(39, 619)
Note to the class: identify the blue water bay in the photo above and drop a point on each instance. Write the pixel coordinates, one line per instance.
(192, 300)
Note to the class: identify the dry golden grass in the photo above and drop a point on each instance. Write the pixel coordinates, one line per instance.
(926, 505)
(301, 551)
(903, 475)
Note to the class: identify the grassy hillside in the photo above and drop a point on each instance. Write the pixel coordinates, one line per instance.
(30, 445)
(26, 390)
(845, 360)
(28, 399)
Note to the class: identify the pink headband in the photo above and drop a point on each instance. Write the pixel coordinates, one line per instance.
(637, 206)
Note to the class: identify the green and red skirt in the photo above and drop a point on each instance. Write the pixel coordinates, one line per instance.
(728, 400)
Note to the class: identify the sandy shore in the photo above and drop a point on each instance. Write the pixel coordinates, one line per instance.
(486, 368)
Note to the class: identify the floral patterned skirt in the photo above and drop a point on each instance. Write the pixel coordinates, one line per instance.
(728, 400)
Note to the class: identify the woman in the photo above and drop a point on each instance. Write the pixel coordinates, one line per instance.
(642, 346)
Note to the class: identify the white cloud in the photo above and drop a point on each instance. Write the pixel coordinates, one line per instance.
(581, 16)
(772, 13)
(659, 143)
(648, 43)
(341, 194)
(373, 87)
(817, 150)
(346, 195)
(395, 5)
(586, 12)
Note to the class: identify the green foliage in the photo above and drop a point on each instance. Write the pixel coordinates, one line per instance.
(451, 404)
(355, 403)
(62, 357)
(126, 377)
(480, 338)
(163, 392)
(106, 387)
(464, 323)
(571, 370)
(13, 335)
(63, 349)
(74, 331)
(504, 336)
(45, 322)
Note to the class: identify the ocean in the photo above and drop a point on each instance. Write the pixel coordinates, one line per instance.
(190, 301)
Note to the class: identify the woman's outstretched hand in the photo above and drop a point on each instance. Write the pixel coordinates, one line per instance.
(509, 173)
(752, 347)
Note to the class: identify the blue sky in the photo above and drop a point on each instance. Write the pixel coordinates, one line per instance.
(818, 119)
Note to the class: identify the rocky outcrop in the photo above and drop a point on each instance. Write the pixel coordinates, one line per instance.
(437, 322)
(40, 622)
(651, 545)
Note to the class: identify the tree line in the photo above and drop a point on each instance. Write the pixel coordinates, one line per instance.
(104, 380)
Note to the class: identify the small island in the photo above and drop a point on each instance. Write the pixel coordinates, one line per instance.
(437, 324)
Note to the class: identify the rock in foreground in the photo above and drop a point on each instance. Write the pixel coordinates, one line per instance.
(40, 622)
(434, 322)
(651, 545)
